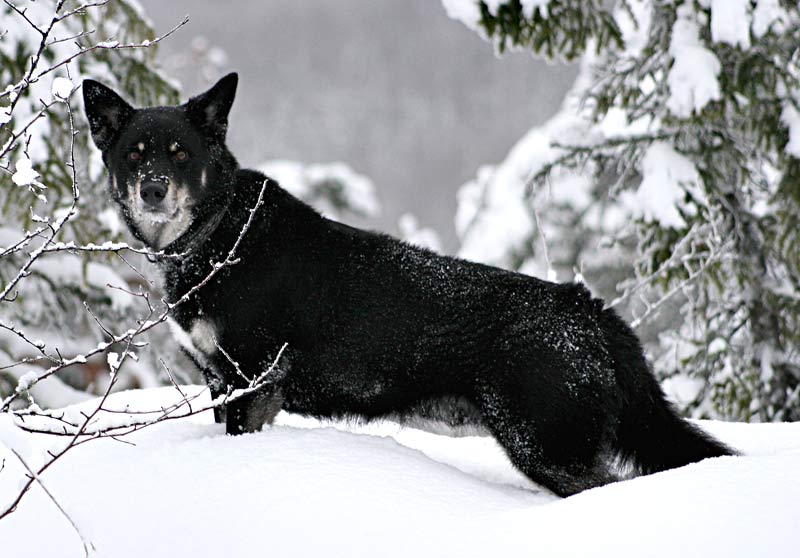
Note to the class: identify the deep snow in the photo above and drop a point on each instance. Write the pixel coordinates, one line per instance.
(305, 489)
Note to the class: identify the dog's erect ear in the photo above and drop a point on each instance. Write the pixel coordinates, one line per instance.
(106, 111)
(210, 110)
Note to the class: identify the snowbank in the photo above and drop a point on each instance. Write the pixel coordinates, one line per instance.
(305, 489)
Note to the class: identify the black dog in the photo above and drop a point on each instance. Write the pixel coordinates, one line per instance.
(375, 327)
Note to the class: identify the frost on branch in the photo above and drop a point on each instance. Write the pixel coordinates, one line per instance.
(25, 174)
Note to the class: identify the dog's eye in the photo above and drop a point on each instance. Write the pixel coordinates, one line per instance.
(181, 156)
(134, 155)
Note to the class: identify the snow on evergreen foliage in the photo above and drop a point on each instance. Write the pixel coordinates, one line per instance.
(334, 189)
(338, 192)
(678, 148)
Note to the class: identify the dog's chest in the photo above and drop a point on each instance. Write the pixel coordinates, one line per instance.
(199, 340)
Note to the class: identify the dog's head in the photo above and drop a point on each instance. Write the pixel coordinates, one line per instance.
(164, 163)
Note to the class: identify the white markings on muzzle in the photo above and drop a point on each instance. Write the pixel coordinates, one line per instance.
(161, 226)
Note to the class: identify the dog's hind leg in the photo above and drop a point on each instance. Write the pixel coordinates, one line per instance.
(553, 438)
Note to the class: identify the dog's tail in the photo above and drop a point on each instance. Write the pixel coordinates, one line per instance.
(654, 438)
(650, 434)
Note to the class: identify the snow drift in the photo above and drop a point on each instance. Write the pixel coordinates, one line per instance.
(301, 488)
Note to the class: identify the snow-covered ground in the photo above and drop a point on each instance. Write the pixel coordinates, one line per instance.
(300, 488)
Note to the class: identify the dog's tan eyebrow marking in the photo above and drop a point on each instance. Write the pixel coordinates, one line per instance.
(140, 146)
(173, 146)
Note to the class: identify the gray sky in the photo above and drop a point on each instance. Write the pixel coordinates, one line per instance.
(399, 91)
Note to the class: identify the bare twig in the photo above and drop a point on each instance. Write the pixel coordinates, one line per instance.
(87, 544)
(84, 433)
(113, 45)
(38, 345)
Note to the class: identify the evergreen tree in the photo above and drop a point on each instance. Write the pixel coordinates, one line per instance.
(683, 153)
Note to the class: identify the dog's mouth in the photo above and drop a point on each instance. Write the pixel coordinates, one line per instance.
(159, 217)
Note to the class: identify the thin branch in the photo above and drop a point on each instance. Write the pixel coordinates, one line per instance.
(38, 345)
(87, 544)
(106, 45)
(82, 432)
(233, 363)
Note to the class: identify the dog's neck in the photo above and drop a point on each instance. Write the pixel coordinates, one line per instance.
(190, 241)
(226, 210)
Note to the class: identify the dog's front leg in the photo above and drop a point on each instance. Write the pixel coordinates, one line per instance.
(218, 388)
(251, 411)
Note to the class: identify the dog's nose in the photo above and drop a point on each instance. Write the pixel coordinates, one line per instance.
(153, 193)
